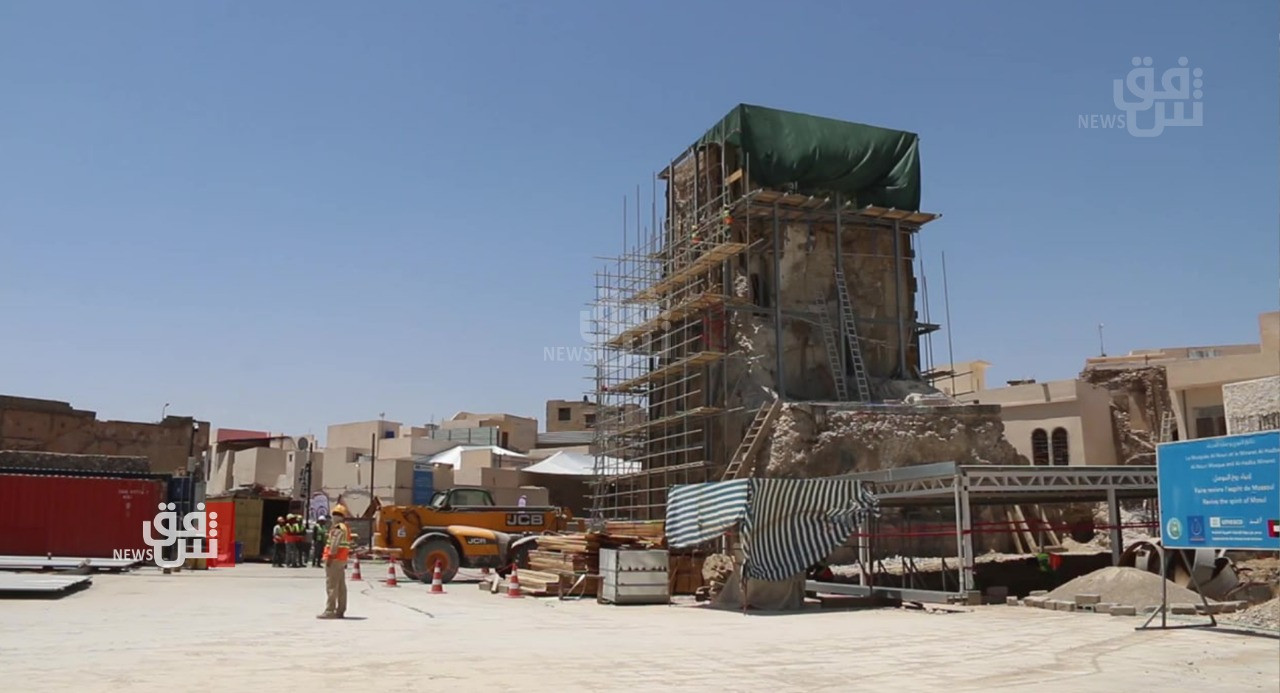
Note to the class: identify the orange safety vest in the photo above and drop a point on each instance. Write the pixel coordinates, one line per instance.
(338, 547)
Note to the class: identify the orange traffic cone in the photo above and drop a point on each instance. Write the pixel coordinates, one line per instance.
(391, 573)
(513, 585)
(355, 573)
(437, 582)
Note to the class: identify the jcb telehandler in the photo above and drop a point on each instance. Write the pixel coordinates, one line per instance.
(463, 528)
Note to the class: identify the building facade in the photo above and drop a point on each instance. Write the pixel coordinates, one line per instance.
(178, 444)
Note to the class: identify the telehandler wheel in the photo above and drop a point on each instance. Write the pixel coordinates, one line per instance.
(434, 551)
(519, 556)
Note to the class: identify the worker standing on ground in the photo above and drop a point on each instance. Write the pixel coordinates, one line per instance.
(289, 549)
(277, 544)
(305, 546)
(336, 551)
(297, 541)
(317, 541)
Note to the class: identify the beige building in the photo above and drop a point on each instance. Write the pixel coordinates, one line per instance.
(959, 379)
(1122, 407)
(570, 415)
(1195, 378)
(361, 434)
(504, 430)
(1061, 422)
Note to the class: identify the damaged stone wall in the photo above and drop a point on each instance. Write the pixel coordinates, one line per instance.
(1139, 398)
(51, 426)
(813, 440)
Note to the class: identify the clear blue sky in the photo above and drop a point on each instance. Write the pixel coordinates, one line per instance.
(284, 215)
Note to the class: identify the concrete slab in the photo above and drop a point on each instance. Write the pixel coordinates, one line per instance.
(254, 627)
(1083, 599)
(1123, 610)
(12, 584)
(64, 562)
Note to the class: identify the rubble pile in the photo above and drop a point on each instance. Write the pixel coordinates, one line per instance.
(1128, 586)
(1264, 615)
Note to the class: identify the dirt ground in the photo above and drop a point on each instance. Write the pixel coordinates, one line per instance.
(253, 628)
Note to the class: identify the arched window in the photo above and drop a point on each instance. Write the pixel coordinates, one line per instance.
(1039, 447)
(1060, 457)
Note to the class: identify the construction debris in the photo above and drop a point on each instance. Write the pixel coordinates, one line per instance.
(1264, 615)
(1123, 586)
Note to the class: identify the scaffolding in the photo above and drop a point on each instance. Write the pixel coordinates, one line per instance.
(670, 315)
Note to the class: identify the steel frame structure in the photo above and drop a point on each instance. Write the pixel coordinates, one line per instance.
(661, 319)
(966, 486)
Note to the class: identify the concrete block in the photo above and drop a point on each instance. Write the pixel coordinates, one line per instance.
(1035, 602)
(973, 598)
(1011, 601)
(1082, 599)
(1121, 610)
(1085, 608)
(1103, 608)
(1038, 593)
(1182, 609)
(997, 594)
(1066, 606)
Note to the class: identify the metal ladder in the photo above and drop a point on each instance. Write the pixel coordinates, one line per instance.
(834, 356)
(1166, 426)
(851, 336)
(752, 441)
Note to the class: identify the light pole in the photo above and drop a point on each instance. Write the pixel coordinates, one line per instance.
(1102, 349)
(164, 411)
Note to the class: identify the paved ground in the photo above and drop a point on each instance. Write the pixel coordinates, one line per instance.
(253, 628)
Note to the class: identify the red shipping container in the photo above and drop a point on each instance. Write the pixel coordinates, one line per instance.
(222, 526)
(84, 517)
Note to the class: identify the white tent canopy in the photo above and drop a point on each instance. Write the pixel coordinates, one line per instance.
(579, 464)
(453, 456)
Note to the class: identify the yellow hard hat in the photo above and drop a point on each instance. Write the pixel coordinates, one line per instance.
(339, 509)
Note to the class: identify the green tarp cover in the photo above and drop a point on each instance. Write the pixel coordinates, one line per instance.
(821, 156)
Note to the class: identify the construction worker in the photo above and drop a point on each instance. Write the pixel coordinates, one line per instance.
(288, 540)
(297, 531)
(317, 541)
(304, 547)
(277, 544)
(336, 551)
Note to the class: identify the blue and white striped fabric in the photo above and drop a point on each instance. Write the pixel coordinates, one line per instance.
(787, 524)
(794, 523)
(700, 512)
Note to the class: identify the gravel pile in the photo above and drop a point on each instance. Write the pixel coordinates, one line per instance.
(1264, 615)
(1128, 586)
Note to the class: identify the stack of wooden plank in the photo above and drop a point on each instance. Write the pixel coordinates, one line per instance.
(570, 555)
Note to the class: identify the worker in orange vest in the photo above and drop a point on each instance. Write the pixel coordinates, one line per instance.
(337, 550)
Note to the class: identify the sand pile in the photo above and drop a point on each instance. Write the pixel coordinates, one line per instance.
(1128, 586)
(1264, 615)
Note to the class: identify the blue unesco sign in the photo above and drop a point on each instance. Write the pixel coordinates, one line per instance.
(1221, 493)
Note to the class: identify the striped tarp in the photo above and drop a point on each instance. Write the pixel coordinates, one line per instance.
(787, 524)
(701, 512)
